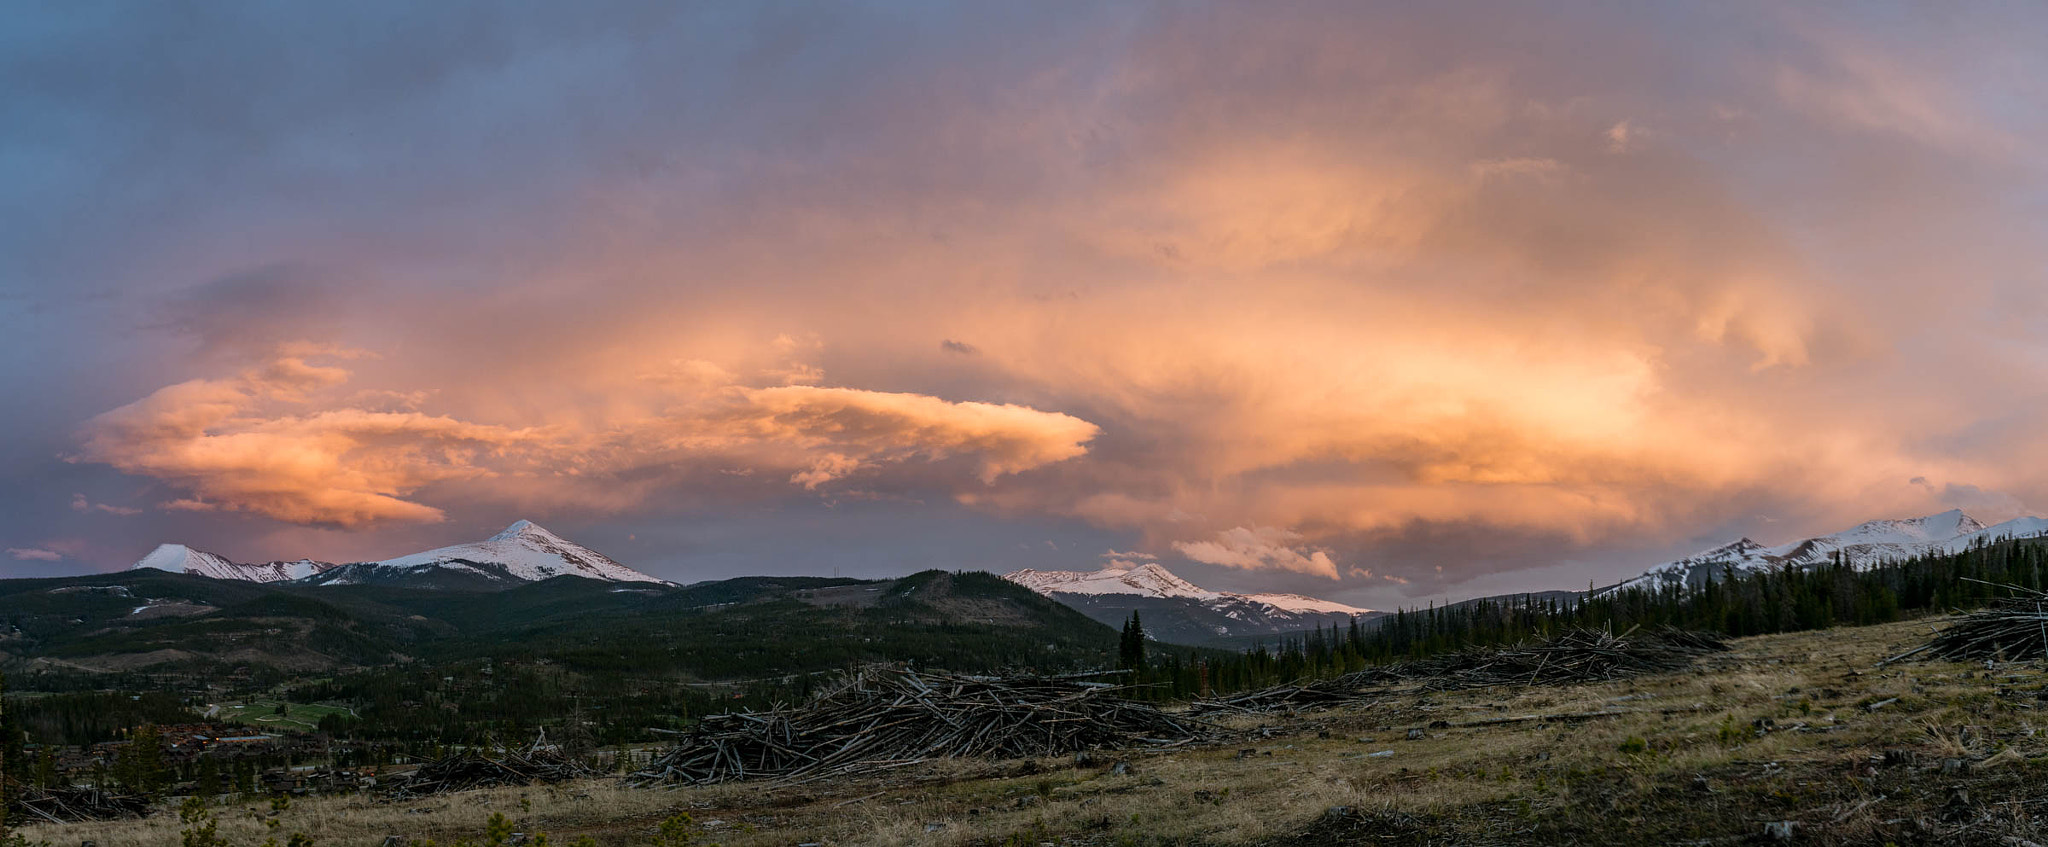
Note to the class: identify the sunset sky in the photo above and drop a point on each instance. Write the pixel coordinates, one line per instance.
(1383, 305)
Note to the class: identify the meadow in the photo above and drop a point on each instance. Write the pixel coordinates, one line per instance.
(1801, 736)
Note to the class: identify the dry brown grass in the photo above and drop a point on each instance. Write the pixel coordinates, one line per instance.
(1776, 730)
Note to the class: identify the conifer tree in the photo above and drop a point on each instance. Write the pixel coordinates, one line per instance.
(140, 766)
(1131, 649)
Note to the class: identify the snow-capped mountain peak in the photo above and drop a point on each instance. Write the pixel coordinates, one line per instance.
(1865, 545)
(1178, 608)
(523, 552)
(178, 558)
(523, 528)
(1145, 580)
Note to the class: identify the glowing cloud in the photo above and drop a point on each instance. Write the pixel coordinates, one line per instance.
(1256, 548)
(233, 445)
(341, 467)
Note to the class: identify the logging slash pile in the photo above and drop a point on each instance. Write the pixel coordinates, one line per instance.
(467, 770)
(1573, 657)
(68, 805)
(2014, 629)
(882, 718)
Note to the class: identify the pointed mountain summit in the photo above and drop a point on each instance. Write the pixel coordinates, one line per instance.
(1865, 545)
(523, 552)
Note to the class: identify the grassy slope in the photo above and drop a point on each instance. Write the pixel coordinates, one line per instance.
(1700, 774)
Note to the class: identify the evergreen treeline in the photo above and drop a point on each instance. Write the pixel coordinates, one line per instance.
(1738, 604)
(89, 718)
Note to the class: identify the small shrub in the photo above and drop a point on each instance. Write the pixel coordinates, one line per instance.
(498, 830)
(679, 830)
(1731, 734)
(201, 829)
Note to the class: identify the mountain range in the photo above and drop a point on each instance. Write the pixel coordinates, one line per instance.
(1173, 609)
(524, 552)
(1862, 546)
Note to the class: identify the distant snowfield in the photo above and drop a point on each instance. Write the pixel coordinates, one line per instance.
(178, 558)
(523, 552)
(1862, 546)
(1152, 580)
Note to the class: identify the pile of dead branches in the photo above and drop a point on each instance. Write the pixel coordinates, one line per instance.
(1575, 656)
(2013, 629)
(881, 718)
(471, 769)
(70, 805)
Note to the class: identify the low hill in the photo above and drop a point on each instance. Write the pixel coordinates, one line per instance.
(730, 629)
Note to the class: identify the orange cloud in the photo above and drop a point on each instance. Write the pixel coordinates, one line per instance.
(1260, 548)
(857, 428)
(224, 442)
(234, 446)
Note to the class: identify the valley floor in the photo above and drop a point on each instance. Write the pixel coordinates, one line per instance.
(1800, 729)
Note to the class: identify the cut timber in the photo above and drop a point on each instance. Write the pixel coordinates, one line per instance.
(886, 717)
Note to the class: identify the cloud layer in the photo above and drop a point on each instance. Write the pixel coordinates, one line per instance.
(264, 443)
(1406, 298)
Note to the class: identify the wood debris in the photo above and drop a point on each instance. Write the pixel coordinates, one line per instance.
(888, 717)
(2013, 629)
(65, 805)
(463, 771)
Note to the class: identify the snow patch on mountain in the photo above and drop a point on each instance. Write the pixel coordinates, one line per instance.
(1152, 580)
(524, 552)
(178, 558)
(1299, 603)
(1146, 580)
(1862, 546)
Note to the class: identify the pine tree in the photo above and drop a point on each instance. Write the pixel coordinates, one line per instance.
(207, 781)
(1131, 648)
(140, 767)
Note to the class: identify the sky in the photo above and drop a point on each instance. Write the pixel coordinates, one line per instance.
(1385, 303)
